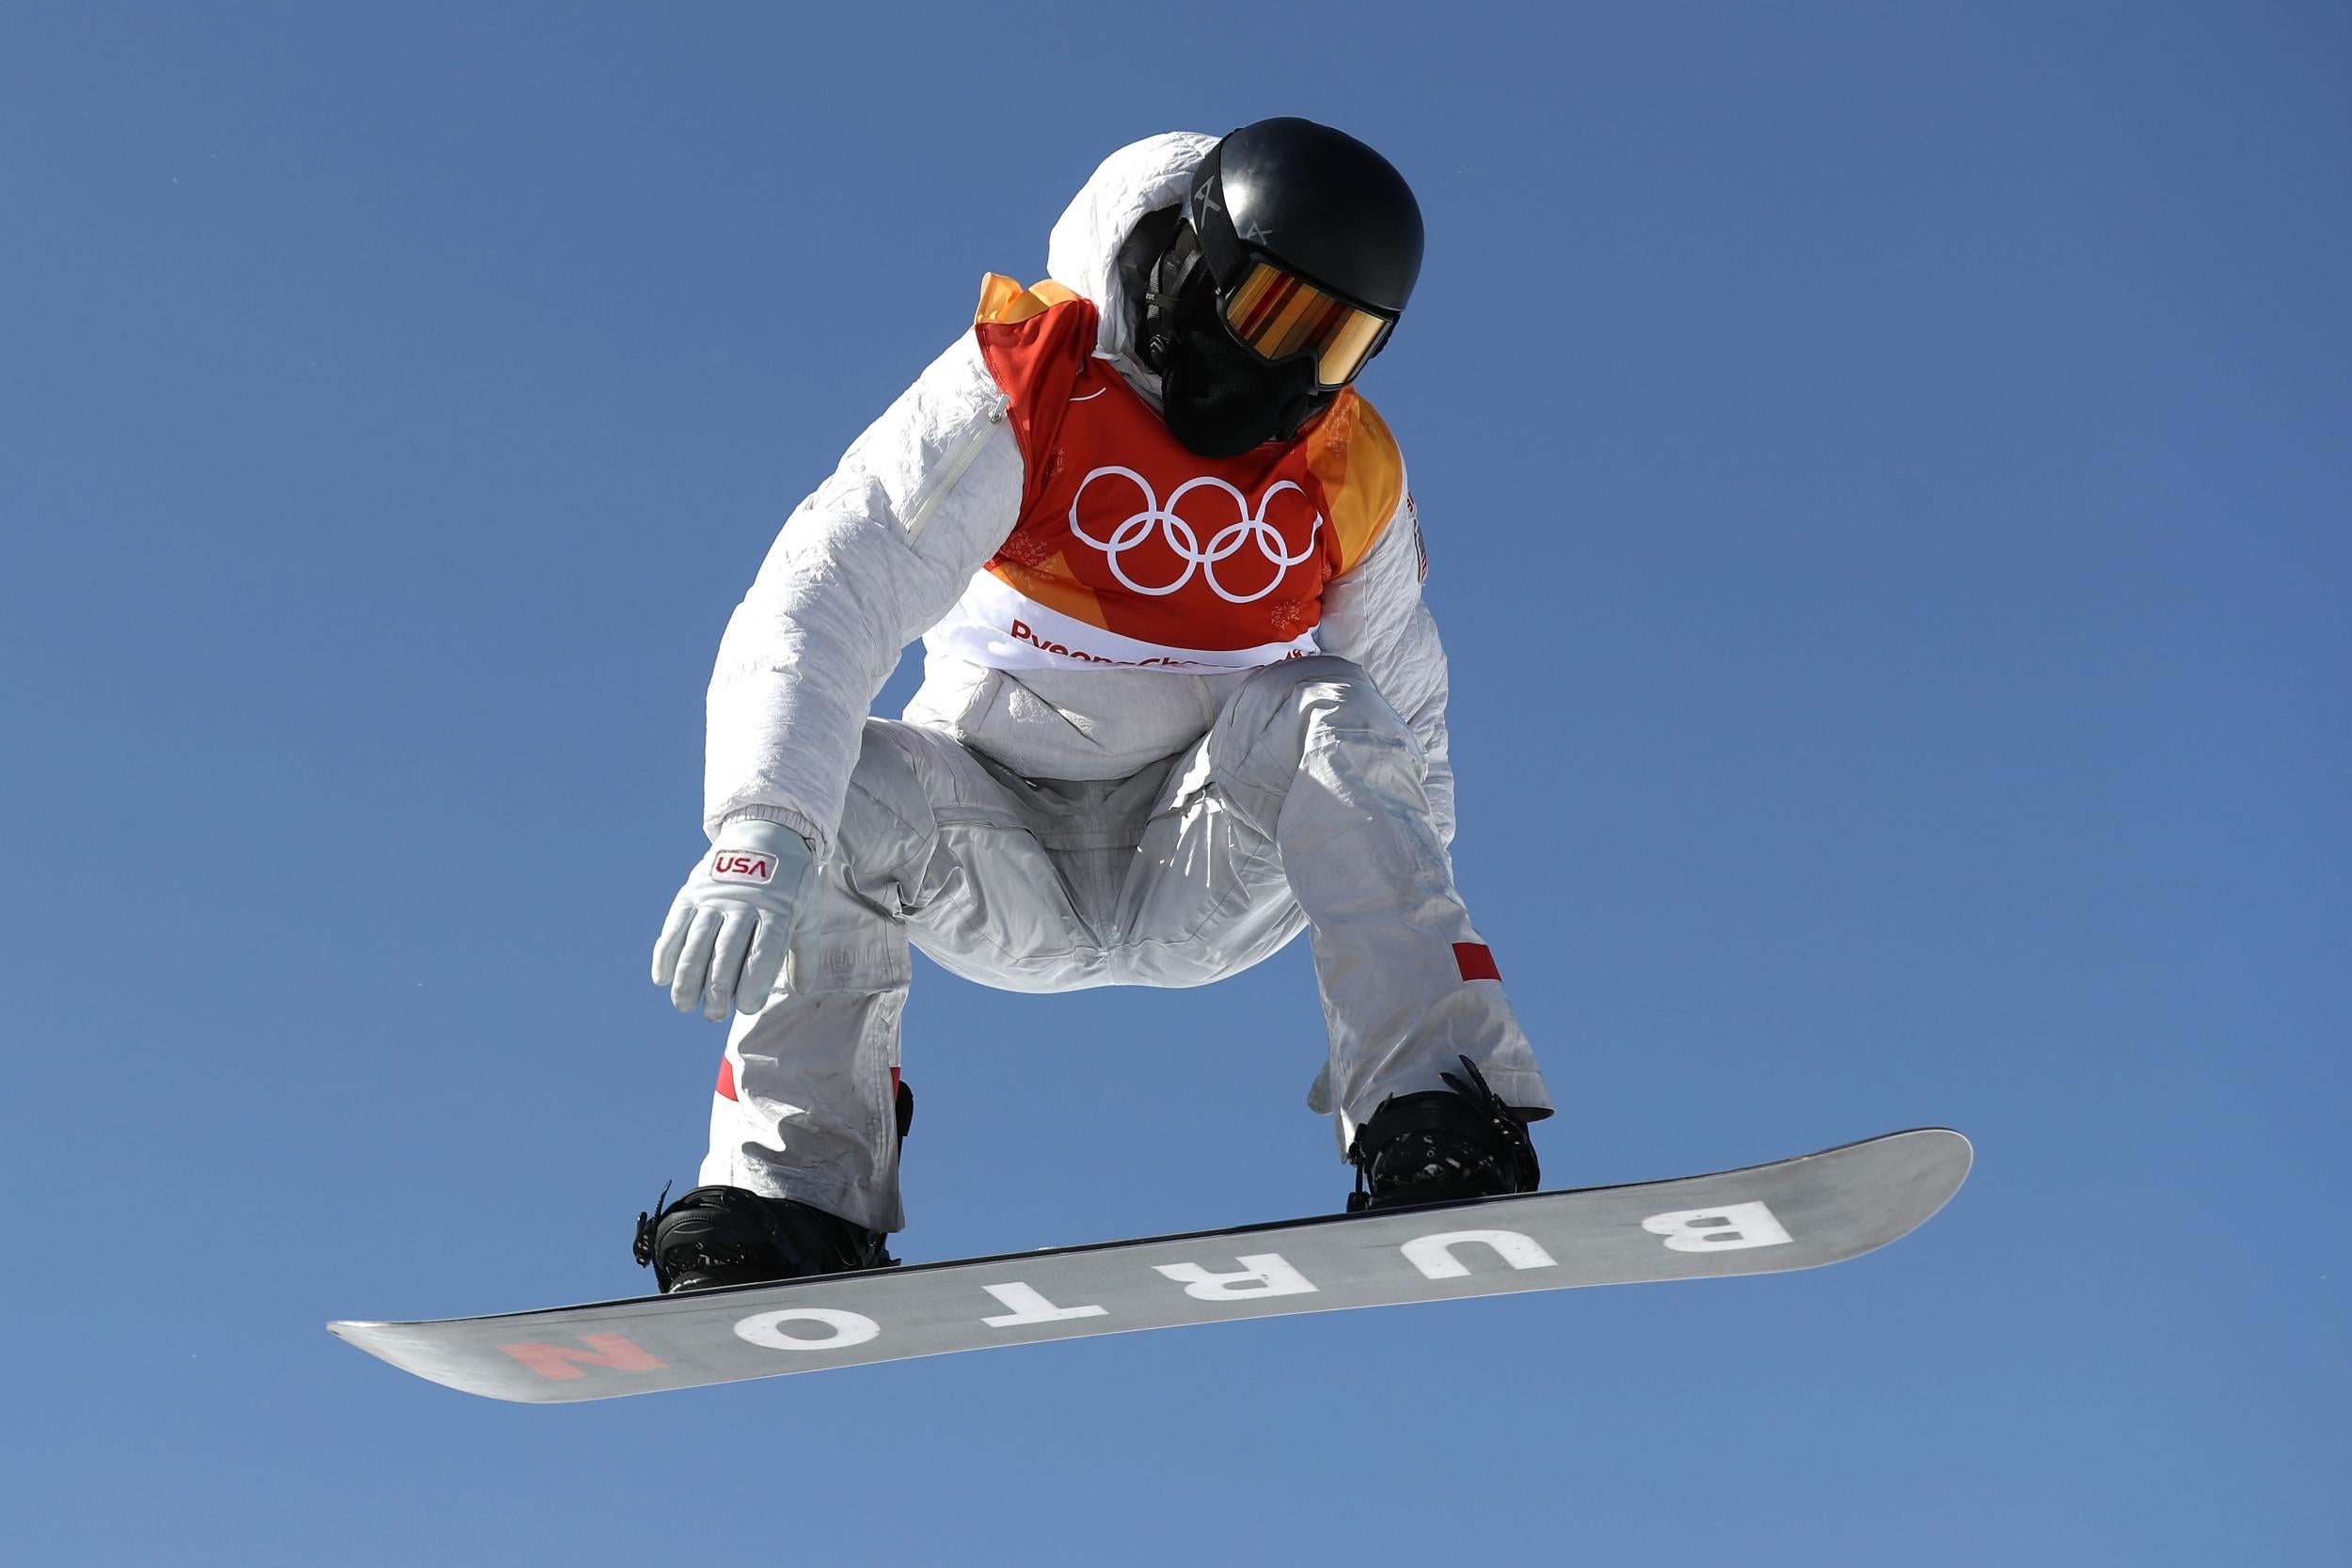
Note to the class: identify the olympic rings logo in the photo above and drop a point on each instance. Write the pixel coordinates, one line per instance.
(1180, 537)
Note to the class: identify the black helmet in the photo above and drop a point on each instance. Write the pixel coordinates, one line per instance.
(1295, 255)
(1315, 200)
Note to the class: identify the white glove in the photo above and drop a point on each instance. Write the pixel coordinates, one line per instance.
(725, 941)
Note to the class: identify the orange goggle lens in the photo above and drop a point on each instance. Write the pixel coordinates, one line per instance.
(1279, 315)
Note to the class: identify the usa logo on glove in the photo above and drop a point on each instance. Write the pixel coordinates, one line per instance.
(729, 865)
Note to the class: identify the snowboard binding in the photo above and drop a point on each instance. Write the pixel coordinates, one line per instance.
(1442, 1146)
(715, 1236)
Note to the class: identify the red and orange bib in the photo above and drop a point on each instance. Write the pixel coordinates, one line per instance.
(1134, 551)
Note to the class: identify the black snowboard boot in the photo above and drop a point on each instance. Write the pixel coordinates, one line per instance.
(1443, 1146)
(716, 1236)
(730, 1236)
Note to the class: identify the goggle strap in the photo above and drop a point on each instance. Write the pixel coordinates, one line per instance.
(1159, 302)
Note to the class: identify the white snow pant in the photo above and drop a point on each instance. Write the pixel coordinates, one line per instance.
(1303, 806)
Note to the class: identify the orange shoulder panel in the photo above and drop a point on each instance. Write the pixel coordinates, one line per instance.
(1036, 342)
(1004, 302)
(1363, 473)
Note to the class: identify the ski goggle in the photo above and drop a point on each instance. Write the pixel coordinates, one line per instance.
(1280, 314)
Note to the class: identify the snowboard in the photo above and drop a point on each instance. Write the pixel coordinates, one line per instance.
(1795, 1214)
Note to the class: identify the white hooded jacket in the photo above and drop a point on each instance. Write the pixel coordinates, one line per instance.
(886, 547)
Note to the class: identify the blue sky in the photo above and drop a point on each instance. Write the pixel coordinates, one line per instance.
(1886, 472)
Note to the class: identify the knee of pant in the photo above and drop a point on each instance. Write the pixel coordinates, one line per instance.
(887, 812)
(1323, 692)
(1262, 738)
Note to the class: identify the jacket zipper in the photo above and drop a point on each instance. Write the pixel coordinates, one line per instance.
(958, 462)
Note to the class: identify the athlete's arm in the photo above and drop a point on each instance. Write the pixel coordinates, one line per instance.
(1373, 614)
(861, 568)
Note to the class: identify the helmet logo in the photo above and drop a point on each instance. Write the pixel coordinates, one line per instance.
(1183, 541)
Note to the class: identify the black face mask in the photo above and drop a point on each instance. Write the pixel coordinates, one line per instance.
(1218, 396)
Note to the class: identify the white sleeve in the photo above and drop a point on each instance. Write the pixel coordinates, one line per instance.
(861, 568)
(1373, 614)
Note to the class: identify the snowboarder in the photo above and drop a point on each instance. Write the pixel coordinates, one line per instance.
(1181, 701)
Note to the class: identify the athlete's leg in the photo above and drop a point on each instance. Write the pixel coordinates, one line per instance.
(807, 1105)
(1306, 803)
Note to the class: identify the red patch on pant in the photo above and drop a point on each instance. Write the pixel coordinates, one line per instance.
(727, 1078)
(1476, 960)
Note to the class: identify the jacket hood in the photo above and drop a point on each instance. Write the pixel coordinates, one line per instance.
(1083, 249)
